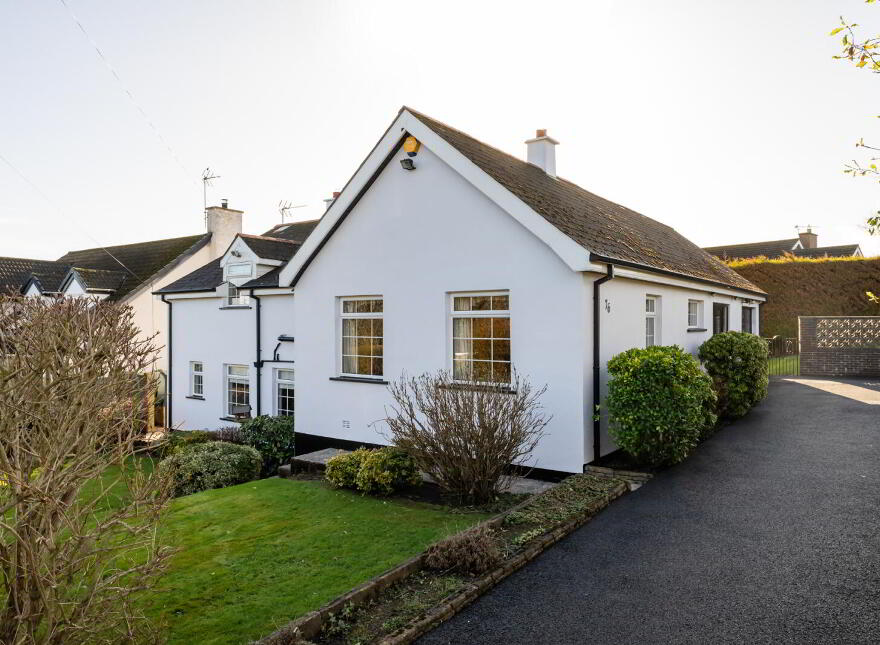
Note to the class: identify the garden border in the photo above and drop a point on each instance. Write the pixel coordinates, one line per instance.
(309, 625)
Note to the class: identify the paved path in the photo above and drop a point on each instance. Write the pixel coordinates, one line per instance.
(770, 533)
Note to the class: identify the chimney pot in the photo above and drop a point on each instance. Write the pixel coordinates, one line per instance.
(540, 133)
(336, 194)
(224, 203)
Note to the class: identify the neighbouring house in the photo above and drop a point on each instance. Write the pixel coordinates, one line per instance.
(127, 274)
(805, 245)
(442, 252)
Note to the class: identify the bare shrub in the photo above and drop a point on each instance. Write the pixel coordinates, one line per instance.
(78, 539)
(466, 436)
(472, 551)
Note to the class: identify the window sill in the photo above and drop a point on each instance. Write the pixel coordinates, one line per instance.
(503, 389)
(234, 419)
(690, 329)
(356, 379)
(195, 397)
(236, 307)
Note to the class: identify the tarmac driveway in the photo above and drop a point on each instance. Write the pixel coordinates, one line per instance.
(770, 533)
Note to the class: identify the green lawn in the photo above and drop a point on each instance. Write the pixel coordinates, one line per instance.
(254, 556)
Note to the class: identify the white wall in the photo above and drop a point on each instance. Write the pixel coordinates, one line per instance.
(413, 238)
(216, 337)
(623, 327)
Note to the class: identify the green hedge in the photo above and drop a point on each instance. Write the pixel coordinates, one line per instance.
(215, 464)
(811, 287)
(738, 364)
(272, 437)
(660, 404)
(375, 472)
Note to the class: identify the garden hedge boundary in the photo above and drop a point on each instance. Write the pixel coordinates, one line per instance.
(811, 287)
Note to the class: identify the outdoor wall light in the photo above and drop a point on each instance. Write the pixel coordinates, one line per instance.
(407, 164)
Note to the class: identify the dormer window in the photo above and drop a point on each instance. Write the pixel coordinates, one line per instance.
(239, 270)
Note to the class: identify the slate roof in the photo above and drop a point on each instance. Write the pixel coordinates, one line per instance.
(210, 276)
(142, 261)
(102, 279)
(778, 248)
(599, 225)
(15, 272)
(296, 231)
(270, 248)
(205, 278)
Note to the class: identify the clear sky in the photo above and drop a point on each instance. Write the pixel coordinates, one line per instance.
(726, 120)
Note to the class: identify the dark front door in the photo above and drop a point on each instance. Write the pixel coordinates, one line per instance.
(719, 318)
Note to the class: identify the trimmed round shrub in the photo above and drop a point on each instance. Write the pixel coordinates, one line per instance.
(386, 470)
(342, 470)
(472, 551)
(660, 404)
(180, 440)
(273, 438)
(739, 366)
(216, 464)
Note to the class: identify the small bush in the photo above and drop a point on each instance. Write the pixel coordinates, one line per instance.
(660, 403)
(738, 364)
(230, 434)
(342, 470)
(386, 470)
(216, 464)
(273, 438)
(473, 551)
(180, 440)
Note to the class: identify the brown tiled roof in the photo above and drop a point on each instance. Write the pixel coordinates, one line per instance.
(295, 231)
(140, 262)
(600, 226)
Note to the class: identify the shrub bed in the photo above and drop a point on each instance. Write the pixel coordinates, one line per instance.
(374, 472)
(738, 364)
(660, 404)
(451, 566)
(272, 437)
(215, 464)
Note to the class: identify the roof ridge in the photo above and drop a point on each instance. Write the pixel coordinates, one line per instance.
(121, 246)
(729, 246)
(267, 237)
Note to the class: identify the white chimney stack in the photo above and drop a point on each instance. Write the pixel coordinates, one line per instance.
(224, 224)
(542, 152)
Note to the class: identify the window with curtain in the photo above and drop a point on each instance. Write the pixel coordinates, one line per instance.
(481, 338)
(362, 336)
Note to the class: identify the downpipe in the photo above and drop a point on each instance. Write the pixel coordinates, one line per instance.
(597, 331)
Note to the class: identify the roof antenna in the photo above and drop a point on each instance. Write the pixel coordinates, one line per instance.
(285, 207)
(207, 177)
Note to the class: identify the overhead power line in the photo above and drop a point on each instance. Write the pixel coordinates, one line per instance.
(127, 92)
(64, 215)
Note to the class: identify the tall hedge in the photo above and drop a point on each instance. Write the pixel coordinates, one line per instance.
(738, 364)
(811, 287)
(660, 403)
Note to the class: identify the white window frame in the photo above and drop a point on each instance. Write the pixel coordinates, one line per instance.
(751, 318)
(652, 312)
(236, 300)
(340, 326)
(248, 265)
(480, 313)
(229, 378)
(193, 373)
(281, 380)
(698, 323)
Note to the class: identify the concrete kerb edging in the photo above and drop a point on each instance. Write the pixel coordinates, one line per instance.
(455, 604)
(309, 626)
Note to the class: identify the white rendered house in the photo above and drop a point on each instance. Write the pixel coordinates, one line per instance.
(442, 252)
